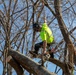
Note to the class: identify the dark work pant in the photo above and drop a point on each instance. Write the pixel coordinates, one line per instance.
(39, 45)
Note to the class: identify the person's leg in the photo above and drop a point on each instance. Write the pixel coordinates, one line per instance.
(50, 52)
(52, 55)
(37, 46)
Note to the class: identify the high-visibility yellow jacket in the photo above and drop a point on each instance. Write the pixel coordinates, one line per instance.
(46, 34)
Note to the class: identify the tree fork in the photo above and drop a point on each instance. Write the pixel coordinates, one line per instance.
(31, 66)
(15, 65)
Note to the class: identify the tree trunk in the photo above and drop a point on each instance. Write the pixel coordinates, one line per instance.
(15, 65)
(65, 34)
(28, 64)
(9, 70)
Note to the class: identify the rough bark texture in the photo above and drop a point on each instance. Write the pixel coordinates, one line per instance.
(65, 34)
(16, 59)
(15, 65)
(29, 64)
(64, 66)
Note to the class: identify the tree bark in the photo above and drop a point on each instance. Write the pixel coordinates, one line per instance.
(18, 59)
(29, 64)
(15, 65)
(64, 66)
(65, 34)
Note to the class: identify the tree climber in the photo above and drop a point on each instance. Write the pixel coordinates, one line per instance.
(46, 36)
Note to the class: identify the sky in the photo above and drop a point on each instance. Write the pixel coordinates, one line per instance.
(50, 66)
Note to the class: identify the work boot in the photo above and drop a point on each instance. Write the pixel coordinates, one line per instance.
(34, 52)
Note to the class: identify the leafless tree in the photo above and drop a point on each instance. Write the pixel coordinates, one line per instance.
(16, 19)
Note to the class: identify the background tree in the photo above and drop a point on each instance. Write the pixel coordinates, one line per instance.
(17, 17)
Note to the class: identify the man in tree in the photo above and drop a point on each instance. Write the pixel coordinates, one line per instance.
(46, 36)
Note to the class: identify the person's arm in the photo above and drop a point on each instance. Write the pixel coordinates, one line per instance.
(44, 47)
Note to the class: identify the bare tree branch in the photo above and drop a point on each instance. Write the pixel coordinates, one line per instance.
(31, 66)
